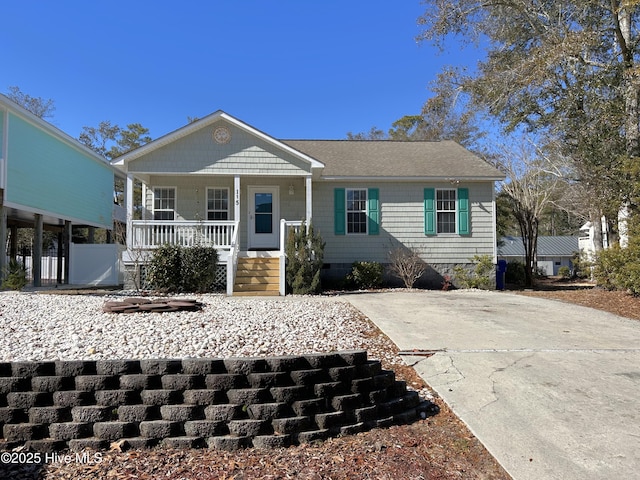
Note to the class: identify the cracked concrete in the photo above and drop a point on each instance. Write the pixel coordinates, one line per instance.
(551, 389)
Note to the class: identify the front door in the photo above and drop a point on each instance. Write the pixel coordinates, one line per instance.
(264, 218)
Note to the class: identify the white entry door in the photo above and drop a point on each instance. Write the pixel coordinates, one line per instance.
(264, 218)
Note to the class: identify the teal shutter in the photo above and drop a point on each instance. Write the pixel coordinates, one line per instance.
(373, 211)
(463, 211)
(339, 215)
(429, 211)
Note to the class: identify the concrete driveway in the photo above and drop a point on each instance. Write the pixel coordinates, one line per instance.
(550, 388)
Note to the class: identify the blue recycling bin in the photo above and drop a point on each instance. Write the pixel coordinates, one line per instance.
(500, 272)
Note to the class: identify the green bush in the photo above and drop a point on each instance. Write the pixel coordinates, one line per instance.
(366, 274)
(482, 275)
(619, 268)
(15, 276)
(176, 269)
(199, 268)
(564, 271)
(305, 254)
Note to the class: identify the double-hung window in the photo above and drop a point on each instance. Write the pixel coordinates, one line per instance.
(357, 210)
(164, 203)
(217, 204)
(446, 211)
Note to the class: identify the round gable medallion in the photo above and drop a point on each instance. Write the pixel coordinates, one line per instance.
(222, 135)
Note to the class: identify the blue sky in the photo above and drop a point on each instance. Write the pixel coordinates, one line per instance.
(291, 68)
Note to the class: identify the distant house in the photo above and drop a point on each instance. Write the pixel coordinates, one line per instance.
(222, 182)
(51, 182)
(553, 251)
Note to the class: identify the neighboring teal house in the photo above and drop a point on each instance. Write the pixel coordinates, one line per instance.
(221, 182)
(49, 181)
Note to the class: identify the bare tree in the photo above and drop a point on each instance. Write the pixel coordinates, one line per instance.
(532, 184)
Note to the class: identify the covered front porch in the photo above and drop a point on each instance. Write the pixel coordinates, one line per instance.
(250, 244)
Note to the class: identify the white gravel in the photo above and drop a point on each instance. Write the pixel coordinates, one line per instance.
(41, 326)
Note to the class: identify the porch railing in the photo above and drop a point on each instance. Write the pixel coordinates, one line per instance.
(154, 233)
(232, 261)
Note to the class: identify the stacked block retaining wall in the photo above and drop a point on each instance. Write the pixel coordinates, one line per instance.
(221, 403)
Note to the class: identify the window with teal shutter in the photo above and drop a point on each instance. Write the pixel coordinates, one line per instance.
(429, 211)
(339, 217)
(373, 211)
(463, 211)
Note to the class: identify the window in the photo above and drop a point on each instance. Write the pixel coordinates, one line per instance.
(446, 211)
(164, 203)
(217, 204)
(357, 210)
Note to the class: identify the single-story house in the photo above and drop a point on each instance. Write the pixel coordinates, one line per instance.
(553, 251)
(50, 181)
(222, 182)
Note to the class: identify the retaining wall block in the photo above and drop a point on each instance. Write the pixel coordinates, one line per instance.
(204, 397)
(138, 413)
(73, 368)
(245, 366)
(226, 381)
(161, 397)
(118, 367)
(114, 430)
(160, 429)
(205, 428)
(226, 403)
(92, 413)
(90, 383)
(70, 430)
(117, 397)
(184, 442)
(14, 384)
(49, 414)
(73, 398)
(202, 366)
(52, 384)
(160, 366)
(181, 381)
(29, 399)
(140, 382)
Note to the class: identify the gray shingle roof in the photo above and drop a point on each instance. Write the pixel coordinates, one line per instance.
(558, 246)
(370, 158)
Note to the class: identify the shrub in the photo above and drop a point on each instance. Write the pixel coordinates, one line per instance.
(175, 269)
(199, 268)
(16, 276)
(482, 275)
(619, 268)
(564, 271)
(366, 274)
(406, 264)
(305, 254)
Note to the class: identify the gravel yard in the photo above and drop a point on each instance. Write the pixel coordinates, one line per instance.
(40, 326)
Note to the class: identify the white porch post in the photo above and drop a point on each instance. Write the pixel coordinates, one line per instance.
(236, 198)
(128, 190)
(309, 200)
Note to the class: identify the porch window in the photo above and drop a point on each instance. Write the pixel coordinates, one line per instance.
(217, 204)
(357, 210)
(446, 210)
(164, 203)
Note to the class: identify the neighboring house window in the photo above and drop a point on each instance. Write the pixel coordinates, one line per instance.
(446, 211)
(356, 211)
(164, 203)
(217, 204)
